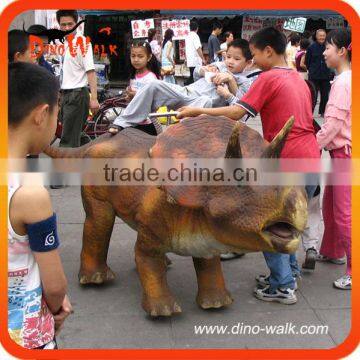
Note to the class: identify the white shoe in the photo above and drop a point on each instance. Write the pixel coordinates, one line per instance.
(344, 283)
(263, 281)
(282, 295)
(323, 258)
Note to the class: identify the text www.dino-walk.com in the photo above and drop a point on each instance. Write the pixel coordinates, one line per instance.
(241, 328)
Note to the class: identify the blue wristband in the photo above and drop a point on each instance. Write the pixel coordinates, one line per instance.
(43, 235)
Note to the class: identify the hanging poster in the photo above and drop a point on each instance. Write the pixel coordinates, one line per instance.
(140, 28)
(181, 28)
(250, 25)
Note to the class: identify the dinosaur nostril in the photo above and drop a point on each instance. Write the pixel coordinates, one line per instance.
(295, 201)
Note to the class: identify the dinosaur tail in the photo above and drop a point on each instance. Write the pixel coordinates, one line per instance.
(65, 153)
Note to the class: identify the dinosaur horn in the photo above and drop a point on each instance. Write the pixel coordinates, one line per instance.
(273, 150)
(233, 150)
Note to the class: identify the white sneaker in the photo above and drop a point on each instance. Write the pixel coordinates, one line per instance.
(263, 281)
(323, 258)
(282, 295)
(344, 283)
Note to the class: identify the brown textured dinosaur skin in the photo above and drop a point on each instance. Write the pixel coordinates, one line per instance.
(200, 221)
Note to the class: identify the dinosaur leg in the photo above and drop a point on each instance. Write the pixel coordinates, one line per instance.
(157, 298)
(99, 223)
(211, 285)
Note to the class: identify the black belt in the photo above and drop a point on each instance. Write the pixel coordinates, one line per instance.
(66, 91)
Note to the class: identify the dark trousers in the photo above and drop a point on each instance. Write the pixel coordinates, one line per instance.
(322, 86)
(191, 78)
(74, 111)
(148, 128)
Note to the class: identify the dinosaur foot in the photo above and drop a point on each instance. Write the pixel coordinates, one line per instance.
(214, 299)
(161, 306)
(96, 277)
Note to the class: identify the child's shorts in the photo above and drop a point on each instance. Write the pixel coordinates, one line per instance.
(52, 345)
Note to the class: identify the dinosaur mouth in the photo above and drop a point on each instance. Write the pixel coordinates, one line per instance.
(282, 230)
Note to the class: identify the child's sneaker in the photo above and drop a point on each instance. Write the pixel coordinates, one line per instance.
(263, 281)
(323, 258)
(282, 295)
(344, 283)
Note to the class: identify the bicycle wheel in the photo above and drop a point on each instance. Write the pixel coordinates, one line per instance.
(105, 119)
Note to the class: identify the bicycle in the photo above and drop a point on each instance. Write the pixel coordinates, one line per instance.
(109, 110)
(98, 123)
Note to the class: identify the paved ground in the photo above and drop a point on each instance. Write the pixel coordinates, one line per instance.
(111, 316)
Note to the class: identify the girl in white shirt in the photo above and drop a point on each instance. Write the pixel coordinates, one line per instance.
(144, 67)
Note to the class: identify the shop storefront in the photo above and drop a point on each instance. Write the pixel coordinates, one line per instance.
(111, 29)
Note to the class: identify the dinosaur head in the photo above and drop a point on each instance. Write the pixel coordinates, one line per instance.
(242, 217)
(257, 217)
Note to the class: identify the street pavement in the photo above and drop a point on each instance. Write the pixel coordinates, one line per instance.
(111, 316)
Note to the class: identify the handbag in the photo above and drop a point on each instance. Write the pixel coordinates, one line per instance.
(167, 70)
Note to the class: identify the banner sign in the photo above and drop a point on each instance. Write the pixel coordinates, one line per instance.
(334, 23)
(296, 24)
(181, 28)
(140, 28)
(250, 26)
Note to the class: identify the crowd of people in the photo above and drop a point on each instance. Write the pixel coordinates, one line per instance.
(241, 79)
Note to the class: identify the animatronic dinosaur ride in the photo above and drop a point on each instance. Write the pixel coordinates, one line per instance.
(198, 221)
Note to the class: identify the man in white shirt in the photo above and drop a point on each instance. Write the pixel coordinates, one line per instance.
(78, 71)
(194, 54)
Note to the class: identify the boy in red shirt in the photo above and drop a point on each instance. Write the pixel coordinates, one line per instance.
(277, 94)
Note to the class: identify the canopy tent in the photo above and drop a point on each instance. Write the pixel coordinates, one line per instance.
(115, 12)
(314, 14)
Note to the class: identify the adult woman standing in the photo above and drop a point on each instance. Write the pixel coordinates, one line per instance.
(167, 57)
(319, 73)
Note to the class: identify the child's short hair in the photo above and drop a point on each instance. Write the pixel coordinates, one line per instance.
(72, 13)
(304, 43)
(227, 34)
(18, 41)
(340, 38)
(294, 39)
(30, 85)
(243, 45)
(269, 37)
